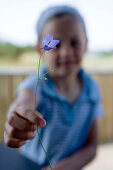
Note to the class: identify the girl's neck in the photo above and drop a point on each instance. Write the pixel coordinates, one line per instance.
(69, 86)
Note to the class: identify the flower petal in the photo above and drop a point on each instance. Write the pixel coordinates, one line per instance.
(47, 39)
(46, 48)
(53, 43)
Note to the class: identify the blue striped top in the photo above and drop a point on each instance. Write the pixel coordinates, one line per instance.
(67, 125)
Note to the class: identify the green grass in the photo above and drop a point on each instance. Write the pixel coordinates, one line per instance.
(10, 50)
(25, 59)
(104, 63)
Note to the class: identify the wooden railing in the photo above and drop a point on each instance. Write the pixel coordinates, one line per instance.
(9, 80)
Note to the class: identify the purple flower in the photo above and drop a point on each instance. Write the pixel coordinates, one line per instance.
(48, 43)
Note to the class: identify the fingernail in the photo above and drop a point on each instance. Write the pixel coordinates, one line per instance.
(42, 123)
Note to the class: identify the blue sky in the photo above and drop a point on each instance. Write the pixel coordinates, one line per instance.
(18, 19)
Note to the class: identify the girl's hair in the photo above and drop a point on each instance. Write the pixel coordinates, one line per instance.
(57, 11)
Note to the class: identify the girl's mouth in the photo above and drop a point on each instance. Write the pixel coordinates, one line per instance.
(67, 63)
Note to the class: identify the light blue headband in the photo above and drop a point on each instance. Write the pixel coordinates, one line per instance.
(51, 11)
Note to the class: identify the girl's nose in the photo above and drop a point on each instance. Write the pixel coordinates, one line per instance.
(66, 51)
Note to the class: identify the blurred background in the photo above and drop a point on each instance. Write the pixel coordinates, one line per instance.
(18, 58)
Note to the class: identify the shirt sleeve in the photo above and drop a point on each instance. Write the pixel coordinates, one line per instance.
(98, 110)
(28, 83)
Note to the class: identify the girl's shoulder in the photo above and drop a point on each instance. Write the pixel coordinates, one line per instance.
(91, 86)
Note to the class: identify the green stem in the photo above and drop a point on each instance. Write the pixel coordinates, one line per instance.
(37, 82)
(44, 150)
(35, 111)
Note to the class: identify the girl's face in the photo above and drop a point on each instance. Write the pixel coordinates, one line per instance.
(66, 59)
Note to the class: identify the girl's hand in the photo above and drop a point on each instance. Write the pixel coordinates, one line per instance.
(21, 125)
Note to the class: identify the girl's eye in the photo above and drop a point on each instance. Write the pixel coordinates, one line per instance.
(74, 43)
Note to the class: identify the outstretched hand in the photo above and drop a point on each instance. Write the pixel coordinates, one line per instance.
(21, 125)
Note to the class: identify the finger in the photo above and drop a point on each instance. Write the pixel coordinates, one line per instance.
(15, 133)
(20, 124)
(30, 115)
(11, 142)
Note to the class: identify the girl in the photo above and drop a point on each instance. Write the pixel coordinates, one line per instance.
(68, 103)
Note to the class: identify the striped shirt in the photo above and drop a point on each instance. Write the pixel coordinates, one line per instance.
(67, 125)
